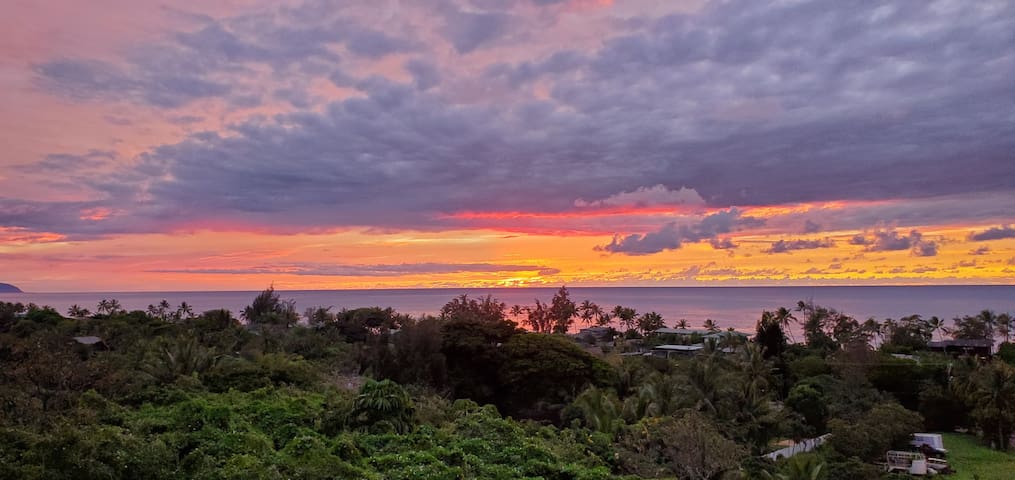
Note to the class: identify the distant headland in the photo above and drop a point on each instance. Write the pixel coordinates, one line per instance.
(8, 288)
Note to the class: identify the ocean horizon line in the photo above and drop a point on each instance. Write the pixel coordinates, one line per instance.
(544, 287)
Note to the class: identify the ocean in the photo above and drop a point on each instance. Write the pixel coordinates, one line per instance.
(737, 307)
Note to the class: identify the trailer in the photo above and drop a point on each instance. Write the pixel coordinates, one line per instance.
(914, 463)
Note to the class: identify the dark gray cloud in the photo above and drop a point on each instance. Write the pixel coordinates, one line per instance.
(380, 270)
(811, 227)
(203, 62)
(95, 80)
(467, 31)
(671, 236)
(722, 244)
(783, 246)
(994, 233)
(725, 102)
(891, 240)
(425, 75)
(980, 251)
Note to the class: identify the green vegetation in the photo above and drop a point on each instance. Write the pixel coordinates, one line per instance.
(971, 460)
(371, 393)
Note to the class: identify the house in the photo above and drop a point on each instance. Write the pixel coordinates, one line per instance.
(669, 351)
(595, 335)
(977, 347)
(740, 337)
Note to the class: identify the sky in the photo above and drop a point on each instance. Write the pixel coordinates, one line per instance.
(236, 144)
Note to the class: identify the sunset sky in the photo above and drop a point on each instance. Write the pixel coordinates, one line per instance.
(228, 145)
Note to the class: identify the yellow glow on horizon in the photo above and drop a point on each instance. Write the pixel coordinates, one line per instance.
(486, 258)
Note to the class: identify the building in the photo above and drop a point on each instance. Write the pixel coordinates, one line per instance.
(669, 351)
(977, 347)
(595, 335)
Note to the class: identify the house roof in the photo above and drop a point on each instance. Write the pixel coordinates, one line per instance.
(88, 340)
(962, 342)
(726, 333)
(681, 331)
(680, 348)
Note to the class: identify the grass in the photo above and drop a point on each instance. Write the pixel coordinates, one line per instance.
(971, 460)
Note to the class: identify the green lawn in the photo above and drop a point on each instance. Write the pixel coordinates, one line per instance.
(971, 459)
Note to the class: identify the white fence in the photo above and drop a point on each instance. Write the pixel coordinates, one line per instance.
(800, 447)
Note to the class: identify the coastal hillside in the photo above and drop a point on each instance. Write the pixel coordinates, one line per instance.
(8, 288)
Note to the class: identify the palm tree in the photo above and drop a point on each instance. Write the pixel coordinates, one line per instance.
(114, 306)
(710, 325)
(682, 324)
(1005, 326)
(626, 315)
(990, 319)
(784, 315)
(103, 306)
(755, 368)
(991, 391)
(587, 311)
(76, 311)
(600, 409)
(185, 311)
(163, 309)
(935, 324)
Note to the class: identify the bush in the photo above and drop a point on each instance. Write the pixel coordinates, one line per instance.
(887, 425)
(1006, 352)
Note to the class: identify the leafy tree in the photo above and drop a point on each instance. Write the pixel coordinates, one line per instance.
(319, 316)
(562, 311)
(413, 355)
(810, 403)
(887, 425)
(268, 309)
(650, 322)
(9, 314)
(814, 325)
(486, 309)
(975, 327)
(689, 446)
(473, 350)
(362, 324)
(538, 318)
(547, 369)
(990, 392)
(910, 333)
(1006, 352)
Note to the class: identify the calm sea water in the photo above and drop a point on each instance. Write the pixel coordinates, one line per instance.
(737, 307)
